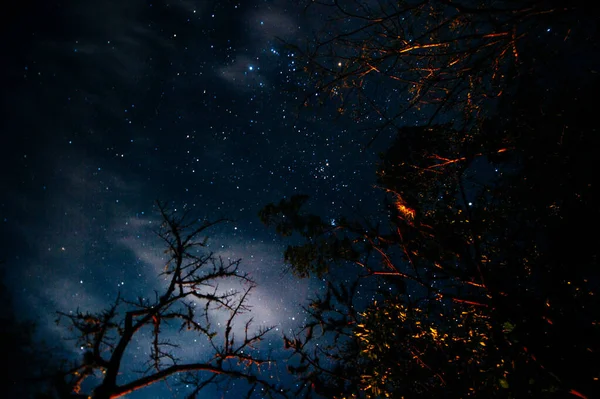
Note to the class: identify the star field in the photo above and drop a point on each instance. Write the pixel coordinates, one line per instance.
(108, 107)
(439, 152)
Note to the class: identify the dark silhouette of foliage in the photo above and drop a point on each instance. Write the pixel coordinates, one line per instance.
(490, 239)
(323, 246)
(186, 306)
(483, 245)
(28, 359)
(379, 59)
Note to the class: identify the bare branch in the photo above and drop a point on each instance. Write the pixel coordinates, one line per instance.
(191, 295)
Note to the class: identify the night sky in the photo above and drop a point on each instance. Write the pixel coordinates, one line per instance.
(108, 106)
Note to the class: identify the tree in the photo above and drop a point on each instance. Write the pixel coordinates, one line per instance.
(29, 361)
(380, 59)
(191, 297)
(429, 334)
(491, 280)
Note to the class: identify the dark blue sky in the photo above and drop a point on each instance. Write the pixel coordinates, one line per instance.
(109, 106)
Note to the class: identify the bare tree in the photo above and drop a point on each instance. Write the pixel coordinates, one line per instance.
(189, 302)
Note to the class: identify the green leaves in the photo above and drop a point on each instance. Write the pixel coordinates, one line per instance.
(508, 327)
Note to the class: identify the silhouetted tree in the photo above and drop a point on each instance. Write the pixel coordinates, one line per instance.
(31, 360)
(27, 361)
(186, 306)
(379, 59)
(483, 240)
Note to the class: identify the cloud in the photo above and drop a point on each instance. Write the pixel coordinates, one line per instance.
(273, 301)
(60, 294)
(264, 26)
(244, 73)
(268, 23)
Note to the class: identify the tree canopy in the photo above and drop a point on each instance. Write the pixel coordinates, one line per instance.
(385, 62)
(489, 272)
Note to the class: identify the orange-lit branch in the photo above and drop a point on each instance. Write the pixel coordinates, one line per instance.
(475, 284)
(175, 369)
(467, 302)
(423, 364)
(407, 254)
(399, 274)
(499, 34)
(407, 212)
(451, 161)
(368, 71)
(386, 259)
(578, 394)
(421, 46)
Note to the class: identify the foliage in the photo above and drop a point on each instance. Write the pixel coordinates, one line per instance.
(323, 245)
(379, 59)
(477, 235)
(491, 278)
(411, 352)
(189, 302)
(324, 354)
(29, 361)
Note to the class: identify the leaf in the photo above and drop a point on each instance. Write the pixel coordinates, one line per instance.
(503, 383)
(508, 327)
